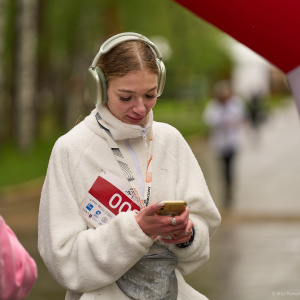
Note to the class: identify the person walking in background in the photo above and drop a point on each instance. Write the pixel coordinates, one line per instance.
(18, 271)
(224, 115)
(256, 114)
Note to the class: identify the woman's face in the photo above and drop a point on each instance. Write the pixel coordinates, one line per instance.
(132, 96)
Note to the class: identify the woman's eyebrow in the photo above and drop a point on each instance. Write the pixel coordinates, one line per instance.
(125, 91)
(152, 89)
(132, 92)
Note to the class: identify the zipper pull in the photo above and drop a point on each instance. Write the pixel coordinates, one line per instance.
(145, 139)
(144, 134)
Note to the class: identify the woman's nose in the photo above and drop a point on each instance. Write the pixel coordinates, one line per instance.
(139, 107)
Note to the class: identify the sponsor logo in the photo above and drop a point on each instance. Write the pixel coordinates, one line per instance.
(89, 206)
(98, 212)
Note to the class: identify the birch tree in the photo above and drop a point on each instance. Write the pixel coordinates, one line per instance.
(2, 43)
(25, 72)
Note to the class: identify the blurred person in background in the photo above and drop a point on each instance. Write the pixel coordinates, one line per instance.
(18, 271)
(123, 259)
(255, 111)
(257, 115)
(224, 115)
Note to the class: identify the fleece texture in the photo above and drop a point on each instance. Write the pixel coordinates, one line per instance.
(88, 261)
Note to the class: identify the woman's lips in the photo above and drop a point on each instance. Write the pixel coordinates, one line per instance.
(136, 119)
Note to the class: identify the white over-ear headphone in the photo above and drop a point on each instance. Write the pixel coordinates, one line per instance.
(96, 79)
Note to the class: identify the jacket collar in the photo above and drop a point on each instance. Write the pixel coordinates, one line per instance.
(118, 129)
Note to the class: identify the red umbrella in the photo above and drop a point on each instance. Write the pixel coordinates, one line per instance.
(271, 28)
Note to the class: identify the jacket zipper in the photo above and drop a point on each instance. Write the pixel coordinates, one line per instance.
(145, 138)
(137, 167)
(136, 162)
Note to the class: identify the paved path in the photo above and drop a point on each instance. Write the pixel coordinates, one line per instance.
(255, 252)
(269, 167)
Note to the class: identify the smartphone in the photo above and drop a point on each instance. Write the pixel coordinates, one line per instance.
(172, 208)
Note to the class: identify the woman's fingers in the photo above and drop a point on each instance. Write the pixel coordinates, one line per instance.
(179, 222)
(153, 224)
(180, 236)
(151, 209)
(178, 239)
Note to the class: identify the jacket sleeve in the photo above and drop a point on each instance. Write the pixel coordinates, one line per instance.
(18, 270)
(82, 259)
(191, 187)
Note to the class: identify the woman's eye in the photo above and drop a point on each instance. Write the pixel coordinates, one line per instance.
(151, 96)
(125, 98)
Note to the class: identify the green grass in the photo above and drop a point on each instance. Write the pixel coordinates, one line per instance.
(186, 116)
(17, 167)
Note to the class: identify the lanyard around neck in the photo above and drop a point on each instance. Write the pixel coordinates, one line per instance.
(124, 166)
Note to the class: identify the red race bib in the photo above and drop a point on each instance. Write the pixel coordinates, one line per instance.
(108, 196)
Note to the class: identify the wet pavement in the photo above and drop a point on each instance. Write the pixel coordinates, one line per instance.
(255, 254)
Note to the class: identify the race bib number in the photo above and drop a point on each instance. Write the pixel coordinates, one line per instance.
(108, 196)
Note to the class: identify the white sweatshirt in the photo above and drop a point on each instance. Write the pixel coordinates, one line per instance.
(87, 261)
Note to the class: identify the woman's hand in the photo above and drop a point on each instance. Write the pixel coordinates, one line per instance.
(154, 225)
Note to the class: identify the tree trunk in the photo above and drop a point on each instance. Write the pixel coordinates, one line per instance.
(112, 18)
(26, 71)
(2, 67)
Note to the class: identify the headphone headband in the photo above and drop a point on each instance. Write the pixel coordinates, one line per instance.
(124, 37)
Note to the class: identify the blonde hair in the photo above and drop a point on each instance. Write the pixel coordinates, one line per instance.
(127, 57)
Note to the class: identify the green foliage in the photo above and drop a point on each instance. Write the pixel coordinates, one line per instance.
(73, 34)
(17, 167)
(70, 34)
(185, 116)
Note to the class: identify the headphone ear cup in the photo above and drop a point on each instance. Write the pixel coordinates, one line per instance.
(103, 84)
(162, 77)
(97, 85)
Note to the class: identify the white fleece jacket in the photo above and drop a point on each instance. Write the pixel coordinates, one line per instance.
(87, 261)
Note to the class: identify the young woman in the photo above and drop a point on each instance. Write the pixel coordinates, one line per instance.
(136, 254)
